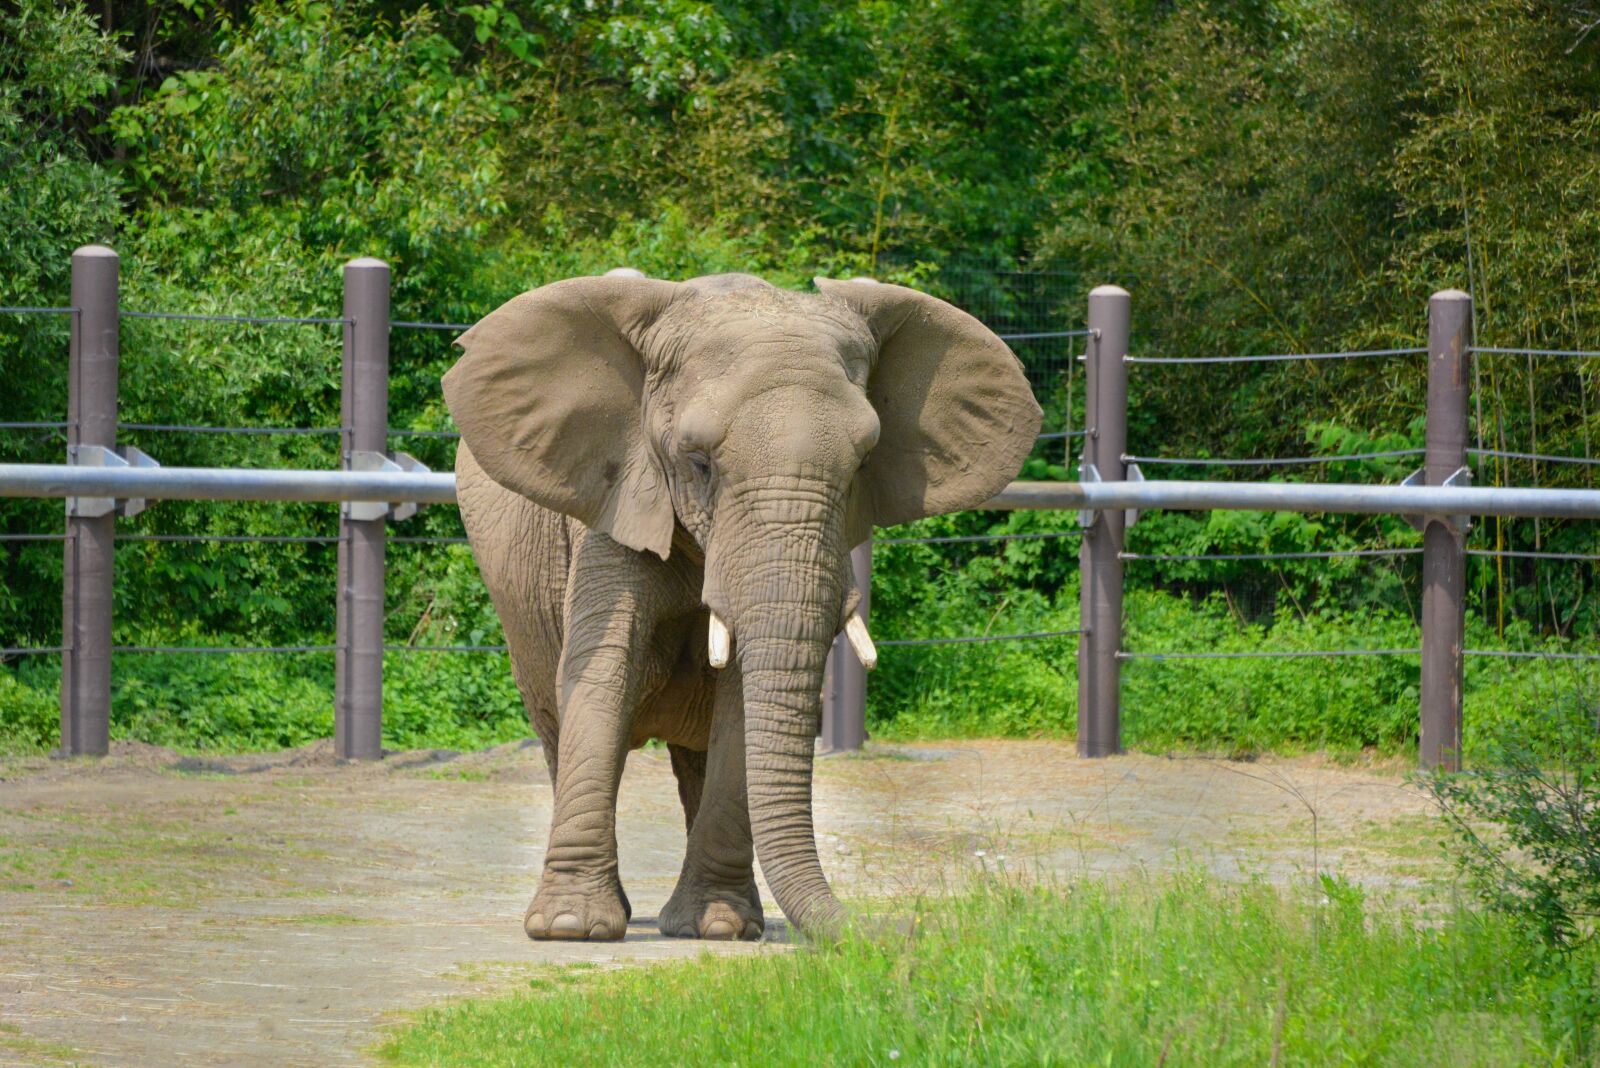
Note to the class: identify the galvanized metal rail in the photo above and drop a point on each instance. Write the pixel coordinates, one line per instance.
(291, 484)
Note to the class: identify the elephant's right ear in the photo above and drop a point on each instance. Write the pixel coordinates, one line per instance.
(549, 394)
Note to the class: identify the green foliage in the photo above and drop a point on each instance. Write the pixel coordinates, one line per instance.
(462, 701)
(252, 702)
(1029, 687)
(54, 62)
(30, 718)
(1527, 823)
(243, 702)
(1278, 175)
(1300, 177)
(1181, 970)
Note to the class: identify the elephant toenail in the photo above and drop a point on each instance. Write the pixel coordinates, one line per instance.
(686, 931)
(535, 922)
(720, 929)
(601, 933)
(565, 924)
(752, 931)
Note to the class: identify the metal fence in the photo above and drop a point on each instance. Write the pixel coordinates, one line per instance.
(377, 486)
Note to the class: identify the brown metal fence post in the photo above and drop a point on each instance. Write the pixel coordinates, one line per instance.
(364, 409)
(91, 523)
(1444, 567)
(844, 701)
(1100, 558)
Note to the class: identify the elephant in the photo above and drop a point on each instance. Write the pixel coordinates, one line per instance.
(661, 482)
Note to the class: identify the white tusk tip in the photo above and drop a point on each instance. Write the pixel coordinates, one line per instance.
(718, 643)
(855, 629)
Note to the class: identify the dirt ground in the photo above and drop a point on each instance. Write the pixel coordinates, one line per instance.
(284, 909)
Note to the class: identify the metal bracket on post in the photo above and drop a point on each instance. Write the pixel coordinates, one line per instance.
(396, 462)
(1088, 472)
(1460, 523)
(101, 456)
(1131, 516)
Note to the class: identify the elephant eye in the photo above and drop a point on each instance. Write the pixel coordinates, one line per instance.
(701, 463)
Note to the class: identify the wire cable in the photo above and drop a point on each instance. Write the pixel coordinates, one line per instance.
(224, 649)
(1518, 655)
(1271, 461)
(445, 648)
(1522, 554)
(980, 638)
(40, 311)
(162, 427)
(34, 650)
(35, 426)
(1503, 454)
(259, 319)
(1266, 654)
(1275, 357)
(429, 326)
(1045, 334)
(1534, 352)
(1321, 555)
(234, 539)
(33, 537)
(956, 538)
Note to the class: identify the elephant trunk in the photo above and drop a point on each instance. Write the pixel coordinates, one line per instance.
(777, 570)
(783, 694)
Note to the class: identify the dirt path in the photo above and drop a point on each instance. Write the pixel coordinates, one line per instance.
(282, 909)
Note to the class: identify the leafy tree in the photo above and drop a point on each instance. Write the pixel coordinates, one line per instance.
(54, 197)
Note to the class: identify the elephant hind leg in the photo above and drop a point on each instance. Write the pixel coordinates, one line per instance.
(716, 895)
(689, 765)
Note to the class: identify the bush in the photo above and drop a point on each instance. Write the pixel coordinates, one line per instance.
(30, 716)
(223, 702)
(1528, 823)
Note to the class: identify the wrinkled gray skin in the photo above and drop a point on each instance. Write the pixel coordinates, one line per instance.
(635, 452)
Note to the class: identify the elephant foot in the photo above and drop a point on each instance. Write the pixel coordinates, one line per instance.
(698, 910)
(577, 913)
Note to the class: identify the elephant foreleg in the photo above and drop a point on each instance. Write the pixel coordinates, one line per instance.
(716, 893)
(606, 667)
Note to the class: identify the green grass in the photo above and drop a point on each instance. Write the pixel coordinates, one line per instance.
(1180, 970)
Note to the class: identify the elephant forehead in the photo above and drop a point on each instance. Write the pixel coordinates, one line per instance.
(768, 326)
(724, 387)
(739, 364)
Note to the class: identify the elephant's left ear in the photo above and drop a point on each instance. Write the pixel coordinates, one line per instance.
(549, 394)
(957, 415)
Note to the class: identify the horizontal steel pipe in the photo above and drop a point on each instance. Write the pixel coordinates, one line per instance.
(252, 484)
(223, 484)
(1300, 497)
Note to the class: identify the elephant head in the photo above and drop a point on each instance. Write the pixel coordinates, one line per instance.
(767, 430)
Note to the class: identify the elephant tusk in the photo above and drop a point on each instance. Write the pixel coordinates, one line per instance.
(718, 643)
(855, 629)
